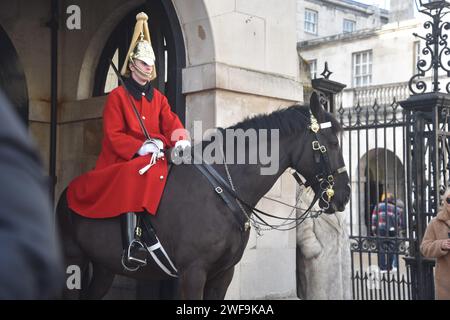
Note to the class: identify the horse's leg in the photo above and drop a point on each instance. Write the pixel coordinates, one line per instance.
(77, 270)
(216, 288)
(76, 263)
(192, 283)
(101, 281)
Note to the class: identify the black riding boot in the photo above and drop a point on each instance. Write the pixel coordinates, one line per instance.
(135, 254)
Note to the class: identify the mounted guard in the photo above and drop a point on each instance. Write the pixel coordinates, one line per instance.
(131, 170)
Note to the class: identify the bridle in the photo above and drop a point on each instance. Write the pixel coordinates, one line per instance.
(326, 180)
(326, 177)
(228, 193)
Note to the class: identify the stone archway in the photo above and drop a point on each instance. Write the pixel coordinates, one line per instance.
(12, 77)
(194, 23)
(167, 43)
(382, 172)
(96, 45)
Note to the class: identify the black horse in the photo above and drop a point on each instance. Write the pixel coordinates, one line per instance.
(195, 226)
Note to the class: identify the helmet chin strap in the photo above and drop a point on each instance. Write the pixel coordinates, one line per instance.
(140, 71)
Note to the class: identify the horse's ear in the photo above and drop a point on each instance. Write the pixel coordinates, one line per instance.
(316, 108)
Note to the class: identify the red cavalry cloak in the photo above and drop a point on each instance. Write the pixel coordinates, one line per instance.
(115, 185)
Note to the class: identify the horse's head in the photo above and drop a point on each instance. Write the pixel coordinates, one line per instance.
(320, 160)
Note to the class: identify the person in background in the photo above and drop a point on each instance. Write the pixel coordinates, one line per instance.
(386, 223)
(436, 244)
(30, 260)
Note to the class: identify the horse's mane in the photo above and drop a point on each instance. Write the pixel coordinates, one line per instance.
(291, 120)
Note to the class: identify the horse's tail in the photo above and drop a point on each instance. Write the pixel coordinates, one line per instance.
(76, 261)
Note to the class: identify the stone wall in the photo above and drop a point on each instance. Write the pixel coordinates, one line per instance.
(254, 72)
(31, 39)
(401, 10)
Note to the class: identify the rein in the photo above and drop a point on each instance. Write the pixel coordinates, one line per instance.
(256, 212)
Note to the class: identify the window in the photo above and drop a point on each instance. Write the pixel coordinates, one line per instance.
(313, 68)
(417, 56)
(349, 25)
(111, 81)
(362, 68)
(311, 21)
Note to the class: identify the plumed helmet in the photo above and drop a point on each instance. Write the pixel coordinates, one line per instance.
(140, 46)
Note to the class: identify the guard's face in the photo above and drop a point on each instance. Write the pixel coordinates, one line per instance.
(142, 66)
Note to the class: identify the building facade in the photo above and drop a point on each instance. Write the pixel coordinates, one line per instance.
(375, 64)
(323, 18)
(364, 57)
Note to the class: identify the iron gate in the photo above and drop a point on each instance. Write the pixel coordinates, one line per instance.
(373, 143)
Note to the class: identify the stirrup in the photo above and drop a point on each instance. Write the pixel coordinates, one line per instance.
(127, 257)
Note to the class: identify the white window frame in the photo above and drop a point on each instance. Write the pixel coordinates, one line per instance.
(417, 55)
(348, 22)
(362, 68)
(311, 21)
(313, 68)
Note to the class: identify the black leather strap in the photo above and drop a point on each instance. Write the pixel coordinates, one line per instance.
(217, 182)
(150, 240)
(299, 180)
(233, 193)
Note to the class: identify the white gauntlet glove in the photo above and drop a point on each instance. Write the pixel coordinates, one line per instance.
(151, 146)
(155, 147)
